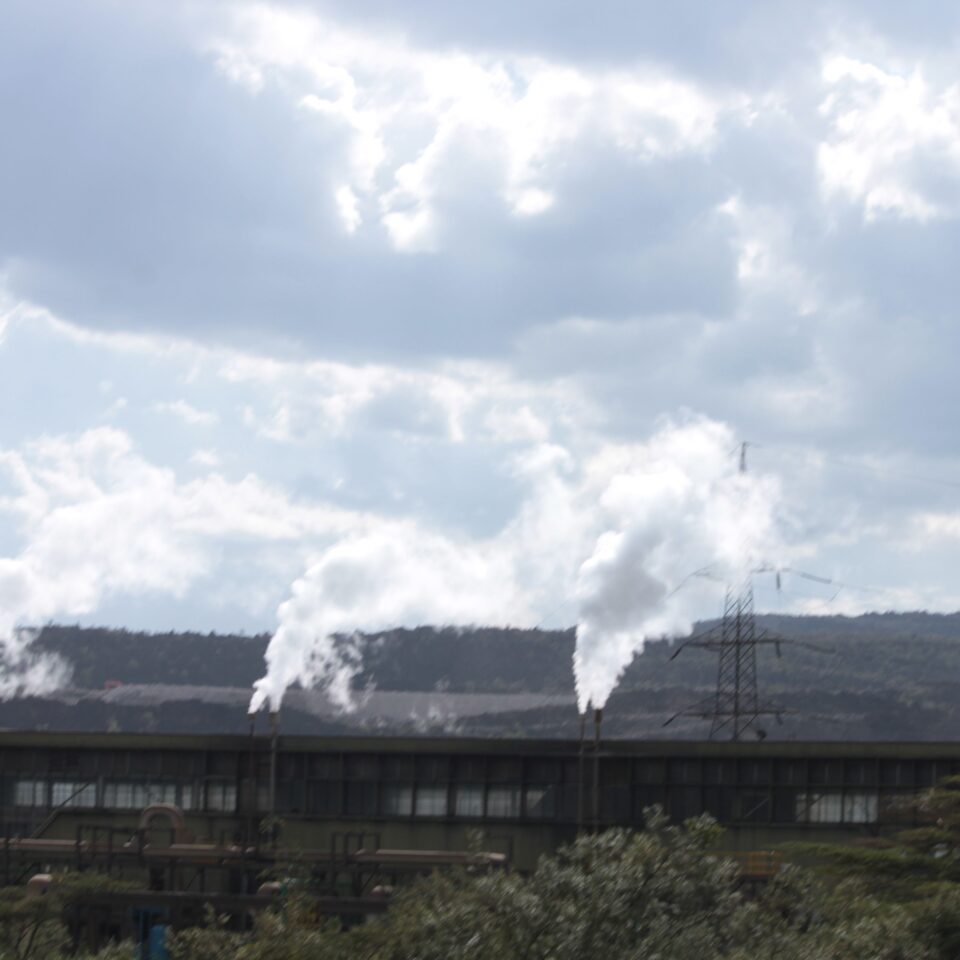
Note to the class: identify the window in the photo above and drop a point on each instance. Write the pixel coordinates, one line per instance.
(856, 806)
(648, 771)
(503, 770)
(431, 801)
(66, 761)
(114, 762)
(570, 771)
(323, 797)
(30, 793)
(433, 769)
(826, 771)
(470, 769)
(784, 805)
(503, 801)
(87, 764)
(896, 773)
(86, 796)
(683, 803)
(362, 766)
(71, 794)
(615, 804)
(397, 768)
(543, 771)
(928, 772)
(754, 806)
(468, 800)
(683, 771)
(820, 807)
(135, 796)
(290, 796)
(14, 759)
(161, 793)
(541, 801)
(860, 772)
(171, 763)
(362, 798)
(859, 807)
(325, 766)
(755, 772)
(221, 795)
(719, 771)
(125, 795)
(186, 796)
(568, 800)
(219, 763)
(614, 773)
(397, 799)
(290, 766)
(791, 772)
(147, 763)
(719, 802)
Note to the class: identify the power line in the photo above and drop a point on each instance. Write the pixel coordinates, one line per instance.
(862, 467)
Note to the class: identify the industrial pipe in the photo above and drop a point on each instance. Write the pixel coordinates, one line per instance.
(580, 777)
(597, 720)
(274, 737)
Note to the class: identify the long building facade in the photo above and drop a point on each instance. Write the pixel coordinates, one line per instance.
(523, 797)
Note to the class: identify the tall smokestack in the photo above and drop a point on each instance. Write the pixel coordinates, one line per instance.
(597, 721)
(274, 737)
(250, 794)
(581, 790)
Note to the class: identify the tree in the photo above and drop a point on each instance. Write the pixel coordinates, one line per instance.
(661, 893)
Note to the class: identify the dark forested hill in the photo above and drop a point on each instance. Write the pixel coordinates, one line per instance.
(875, 676)
(862, 652)
(99, 655)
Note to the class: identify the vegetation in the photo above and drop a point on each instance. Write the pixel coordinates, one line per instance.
(658, 894)
(31, 925)
(886, 676)
(917, 868)
(866, 651)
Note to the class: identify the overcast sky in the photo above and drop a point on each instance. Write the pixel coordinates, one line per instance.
(272, 275)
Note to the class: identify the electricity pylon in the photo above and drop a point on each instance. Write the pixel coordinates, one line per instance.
(735, 707)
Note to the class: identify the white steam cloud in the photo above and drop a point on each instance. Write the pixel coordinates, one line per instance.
(645, 516)
(398, 575)
(685, 508)
(93, 519)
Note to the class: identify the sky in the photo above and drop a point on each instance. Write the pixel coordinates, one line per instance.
(279, 279)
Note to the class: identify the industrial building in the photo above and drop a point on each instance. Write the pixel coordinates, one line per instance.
(521, 797)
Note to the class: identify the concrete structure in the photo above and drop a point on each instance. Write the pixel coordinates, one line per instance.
(524, 797)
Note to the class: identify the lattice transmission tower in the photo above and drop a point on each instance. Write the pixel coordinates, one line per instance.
(735, 707)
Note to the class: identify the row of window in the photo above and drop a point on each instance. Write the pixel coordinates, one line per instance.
(836, 807)
(396, 800)
(508, 801)
(123, 795)
(468, 800)
(332, 798)
(814, 772)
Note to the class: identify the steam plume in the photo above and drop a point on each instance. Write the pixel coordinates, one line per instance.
(644, 515)
(684, 506)
(397, 575)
